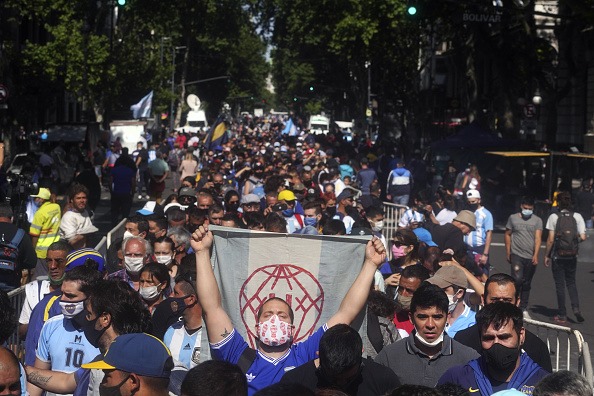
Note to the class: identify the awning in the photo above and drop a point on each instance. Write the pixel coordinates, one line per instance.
(519, 153)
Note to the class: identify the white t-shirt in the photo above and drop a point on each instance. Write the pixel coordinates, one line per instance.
(552, 222)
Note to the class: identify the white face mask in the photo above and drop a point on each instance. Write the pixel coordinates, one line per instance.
(149, 293)
(451, 303)
(128, 234)
(377, 226)
(165, 260)
(70, 309)
(275, 332)
(427, 343)
(134, 264)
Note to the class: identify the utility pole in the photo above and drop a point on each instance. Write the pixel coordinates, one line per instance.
(171, 119)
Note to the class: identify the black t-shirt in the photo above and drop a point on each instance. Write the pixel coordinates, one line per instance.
(27, 258)
(373, 379)
(447, 236)
(534, 346)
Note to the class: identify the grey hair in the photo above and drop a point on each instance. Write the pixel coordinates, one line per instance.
(563, 383)
(147, 245)
(181, 235)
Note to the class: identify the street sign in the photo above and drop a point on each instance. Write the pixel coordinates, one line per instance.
(529, 110)
(3, 93)
(481, 17)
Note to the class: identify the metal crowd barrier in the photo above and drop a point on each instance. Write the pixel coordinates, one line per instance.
(392, 213)
(116, 232)
(102, 247)
(14, 342)
(567, 347)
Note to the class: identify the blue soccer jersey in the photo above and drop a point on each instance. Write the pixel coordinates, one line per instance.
(184, 347)
(265, 371)
(63, 346)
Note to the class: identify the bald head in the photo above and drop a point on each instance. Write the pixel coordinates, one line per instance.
(10, 376)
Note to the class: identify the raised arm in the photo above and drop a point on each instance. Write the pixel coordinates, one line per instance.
(355, 299)
(218, 323)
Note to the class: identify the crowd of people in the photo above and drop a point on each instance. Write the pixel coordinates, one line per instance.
(438, 322)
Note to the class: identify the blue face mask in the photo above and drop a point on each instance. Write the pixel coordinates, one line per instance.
(310, 221)
(288, 212)
(526, 212)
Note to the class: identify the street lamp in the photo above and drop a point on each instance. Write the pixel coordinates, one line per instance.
(171, 119)
(537, 99)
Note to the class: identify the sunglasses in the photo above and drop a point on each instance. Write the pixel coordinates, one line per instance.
(397, 243)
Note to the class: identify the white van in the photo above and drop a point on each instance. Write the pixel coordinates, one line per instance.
(319, 124)
(196, 120)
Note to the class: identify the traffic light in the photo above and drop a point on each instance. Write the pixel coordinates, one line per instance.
(295, 99)
(411, 8)
(311, 88)
(121, 3)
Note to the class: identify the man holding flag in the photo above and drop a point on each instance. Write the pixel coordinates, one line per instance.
(276, 351)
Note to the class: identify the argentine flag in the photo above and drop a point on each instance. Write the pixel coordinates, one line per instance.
(142, 109)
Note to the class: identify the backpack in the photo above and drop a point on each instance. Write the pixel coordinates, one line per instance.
(9, 251)
(173, 159)
(566, 235)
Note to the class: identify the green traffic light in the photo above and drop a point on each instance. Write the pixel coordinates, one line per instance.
(121, 2)
(412, 10)
(294, 99)
(311, 88)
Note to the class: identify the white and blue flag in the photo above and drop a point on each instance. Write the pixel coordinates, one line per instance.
(142, 109)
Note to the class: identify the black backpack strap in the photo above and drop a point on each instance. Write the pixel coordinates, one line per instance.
(18, 237)
(247, 359)
(374, 333)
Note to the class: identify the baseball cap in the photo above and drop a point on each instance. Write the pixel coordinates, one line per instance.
(172, 205)
(346, 193)
(424, 236)
(286, 195)
(187, 191)
(149, 208)
(449, 276)
(307, 168)
(137, 353)
(466, 217)
(79, 257)
(250, 198)
(43, 193)
(470, 194)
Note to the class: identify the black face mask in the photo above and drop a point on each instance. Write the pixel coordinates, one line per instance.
(112, 390)
(232, 207)
(88, 327)
(473, 207)
(501, 358)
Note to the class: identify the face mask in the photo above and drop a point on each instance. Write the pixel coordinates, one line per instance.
(70, 309)
(501, 357)
(451, 303)
(232, 207)
(275, 332)
(473, 206)
(310, 221)
(149, 293)
(173, 306)
(37, 203)
(429, 344)
(57, 282)
(134, 264)
(165, 260)
(112, 390)
(526, 213)
(88, 327)
(128, 234)
(403, 302)
(398, 251)
(262, 151)
(377, 226)
(288, 212)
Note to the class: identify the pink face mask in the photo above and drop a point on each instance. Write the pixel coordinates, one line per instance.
(398, 251)
(275, 332)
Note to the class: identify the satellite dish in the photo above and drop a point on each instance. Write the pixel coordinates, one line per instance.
(193, 101)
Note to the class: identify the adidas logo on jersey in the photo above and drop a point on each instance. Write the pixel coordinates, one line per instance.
(187, 346)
